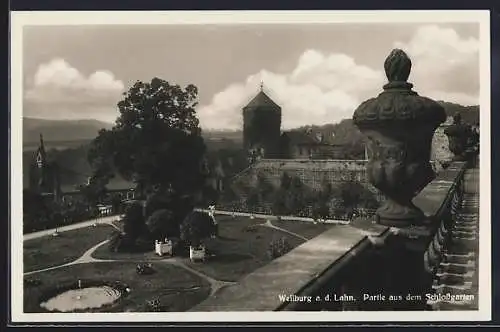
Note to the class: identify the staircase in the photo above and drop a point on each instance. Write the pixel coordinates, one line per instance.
(456, 282)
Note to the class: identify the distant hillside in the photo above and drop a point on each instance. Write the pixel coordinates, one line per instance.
(74, 136)
(86, 130)
(61, 130)
(219, 135)
(345, 132)
(470, 114)
(63, 134)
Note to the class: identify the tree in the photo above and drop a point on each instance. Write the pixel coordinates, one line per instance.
(95, 190)
(280, 203)
(298, 195)
(159, 200)
(321, 208)
(133, 221)
(196, 227)
(262, 192)
(117, 242)
(354, 195)
(162, 224)
(156, 140)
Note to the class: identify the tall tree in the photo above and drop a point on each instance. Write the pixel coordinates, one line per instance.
(162, 224)
(196, 227)
(133, 222)
(156, 140)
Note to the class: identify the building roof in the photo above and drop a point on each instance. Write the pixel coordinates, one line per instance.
(119, 183)
(262, 100)
(115, 184)
(301, 138)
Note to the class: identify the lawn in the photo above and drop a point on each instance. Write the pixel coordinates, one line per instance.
(304, 228)
(103, 252)
(51, 251)
(242, 247)
(176, 288)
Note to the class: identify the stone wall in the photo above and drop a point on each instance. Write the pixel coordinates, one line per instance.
(312, 173)
(439, 150)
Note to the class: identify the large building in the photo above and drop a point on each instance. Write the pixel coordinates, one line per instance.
(263, 138)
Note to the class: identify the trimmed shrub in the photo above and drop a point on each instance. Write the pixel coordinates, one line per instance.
(278, 248)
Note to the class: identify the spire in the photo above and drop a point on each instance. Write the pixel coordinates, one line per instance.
(41, 155)
(262, 100)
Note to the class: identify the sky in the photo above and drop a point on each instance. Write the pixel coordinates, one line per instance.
(317, 73)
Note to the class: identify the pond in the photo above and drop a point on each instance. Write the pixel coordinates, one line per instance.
(82, 299)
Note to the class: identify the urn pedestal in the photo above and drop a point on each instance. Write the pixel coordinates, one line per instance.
(399, 126)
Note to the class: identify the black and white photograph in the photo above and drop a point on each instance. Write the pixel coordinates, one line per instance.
(250, 166)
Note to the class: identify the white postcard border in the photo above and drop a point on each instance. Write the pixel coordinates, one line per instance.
(20, 19)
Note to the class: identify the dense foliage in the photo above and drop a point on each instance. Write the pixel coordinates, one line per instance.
(278, 248)
(156, 141)
(196, 227)
(294, 198)
(162, 224)
(40, 212)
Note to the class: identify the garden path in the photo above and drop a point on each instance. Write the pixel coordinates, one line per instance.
(87, 258)
(98, 221)
(269, 224)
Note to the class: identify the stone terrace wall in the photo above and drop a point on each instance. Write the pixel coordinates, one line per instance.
(311, 172)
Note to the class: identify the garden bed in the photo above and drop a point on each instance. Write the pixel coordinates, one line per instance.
(49, 251)
(175, 288)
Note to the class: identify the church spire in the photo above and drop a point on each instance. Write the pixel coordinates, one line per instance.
(41, 155)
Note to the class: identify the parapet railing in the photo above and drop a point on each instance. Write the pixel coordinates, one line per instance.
(361, 269)
(451, 270)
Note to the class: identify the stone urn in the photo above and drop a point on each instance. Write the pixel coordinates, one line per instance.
(459, 134)
(399, 126)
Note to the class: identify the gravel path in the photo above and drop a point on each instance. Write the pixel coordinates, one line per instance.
(87, 258)
(269, 224)
(98, 221)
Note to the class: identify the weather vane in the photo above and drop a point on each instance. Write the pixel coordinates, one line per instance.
(261, 85)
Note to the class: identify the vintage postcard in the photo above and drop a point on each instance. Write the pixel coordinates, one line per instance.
(250, 166)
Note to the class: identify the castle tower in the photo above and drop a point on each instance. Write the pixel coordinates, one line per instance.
(262, 125)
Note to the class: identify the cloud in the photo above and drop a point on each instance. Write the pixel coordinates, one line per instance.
(326, 88)
(60, 90)
(444, 64)
(322, 88)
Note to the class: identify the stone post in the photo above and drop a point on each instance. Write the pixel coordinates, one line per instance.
(399, 126)
(459, 135)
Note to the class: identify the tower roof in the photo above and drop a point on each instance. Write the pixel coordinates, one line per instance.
(40, 154)
(262, 100)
